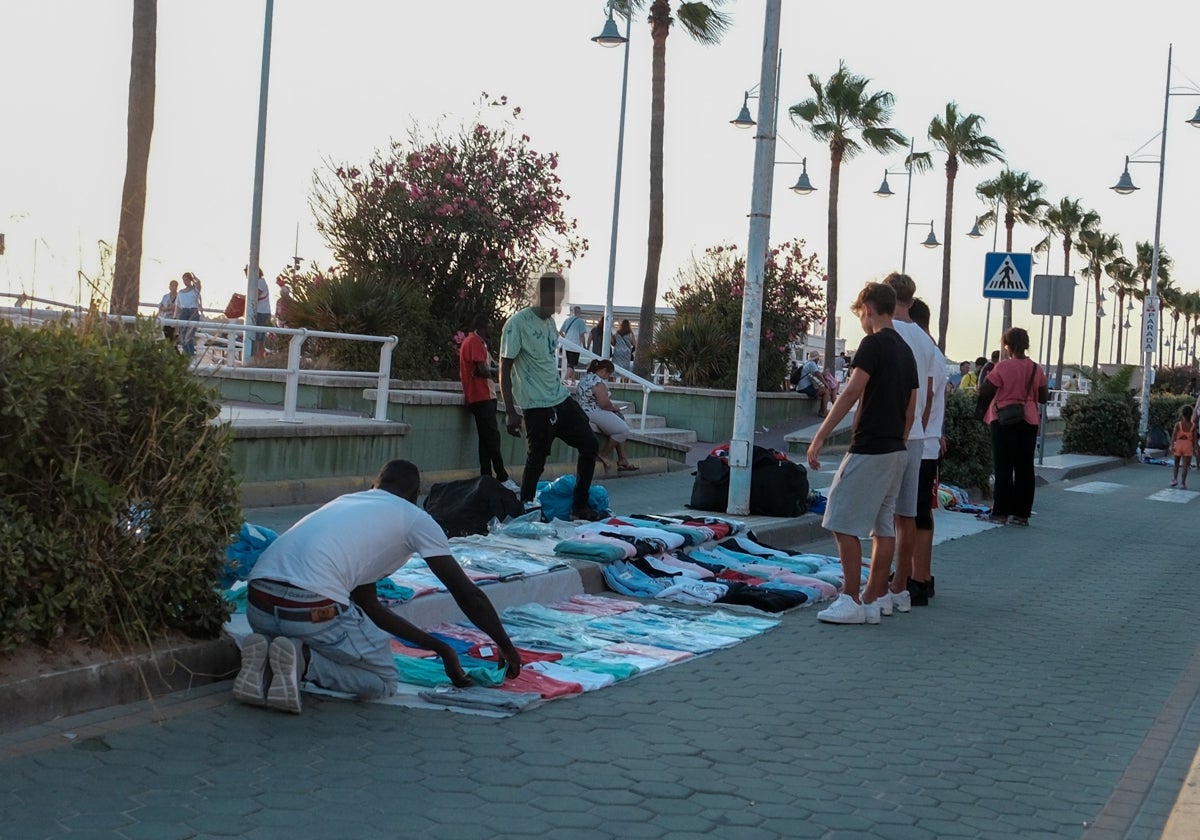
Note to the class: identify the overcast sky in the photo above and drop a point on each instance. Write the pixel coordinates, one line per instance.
(1065, 100)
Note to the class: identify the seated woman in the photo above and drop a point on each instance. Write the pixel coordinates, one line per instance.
(596, 403)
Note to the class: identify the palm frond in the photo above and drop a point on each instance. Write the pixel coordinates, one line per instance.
(704, 22)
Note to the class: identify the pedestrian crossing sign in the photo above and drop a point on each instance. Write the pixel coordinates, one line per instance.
(1007, 275)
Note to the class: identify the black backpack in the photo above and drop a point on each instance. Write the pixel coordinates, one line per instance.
(467, 506)
(710, 491)
(778, 487)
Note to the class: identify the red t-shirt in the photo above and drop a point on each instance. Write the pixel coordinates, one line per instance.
(475, 388)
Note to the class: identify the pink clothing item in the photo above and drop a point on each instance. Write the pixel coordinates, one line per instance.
(665, 654)
(597, 605)
(531, 682)
(1011, 378)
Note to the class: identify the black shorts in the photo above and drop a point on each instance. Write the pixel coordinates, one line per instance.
(925, 484)
(572, 358)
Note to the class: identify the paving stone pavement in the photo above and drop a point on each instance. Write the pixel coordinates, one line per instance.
(1048, 691)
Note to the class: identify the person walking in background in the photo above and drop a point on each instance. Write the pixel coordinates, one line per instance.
(920, 581)
(575, 330)
(187, 308)
(1008, 403)
(262, 312)
(623, 346)
(282, 304)
(862, 499)
(985, 367)
(166, 309)
(970, 380)
(596, 338)
(476, 370)
(1183, 444)
(529, 379)
(596, 403)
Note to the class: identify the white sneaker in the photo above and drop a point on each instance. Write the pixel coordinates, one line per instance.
(901, 601)
(844, 610)
(251, 683)
(885, 603)
(871, 612)
(287, 665)
(509, 484)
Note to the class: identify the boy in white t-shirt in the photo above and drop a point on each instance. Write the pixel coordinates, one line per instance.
(312, 605)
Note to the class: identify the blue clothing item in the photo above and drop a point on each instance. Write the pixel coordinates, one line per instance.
(557, 497)
(241, 556)
(626, 578)
(459, 646)
(388, 591)
(431, 672)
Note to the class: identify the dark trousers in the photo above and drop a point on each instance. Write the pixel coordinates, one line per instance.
(1012, 455)
(567, 422)
(488, 430)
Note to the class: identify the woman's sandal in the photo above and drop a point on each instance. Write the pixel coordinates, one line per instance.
(994, 520)
(1018, 520)
(626, 467)
(602, 463)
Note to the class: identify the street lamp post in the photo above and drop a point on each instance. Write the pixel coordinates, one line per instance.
(746, 395)
(885, 191)
(260, 147)
(1125, 186)
(610, 37)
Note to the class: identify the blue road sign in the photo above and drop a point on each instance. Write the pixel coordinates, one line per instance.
(1007, 276)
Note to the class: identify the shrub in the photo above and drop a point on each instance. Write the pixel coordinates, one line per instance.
(1164, 409)
(1175, 380)
(703, 343)
(117, 498)
(467, 217)
(1101, 424)
(968, 459)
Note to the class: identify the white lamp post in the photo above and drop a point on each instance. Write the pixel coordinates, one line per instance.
(1125, 186)
(610, 37)
(746, 395)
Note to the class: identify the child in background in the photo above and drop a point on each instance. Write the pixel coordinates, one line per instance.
(1182, 444)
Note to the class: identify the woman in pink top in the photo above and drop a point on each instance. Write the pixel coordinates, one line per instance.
(1018, 380)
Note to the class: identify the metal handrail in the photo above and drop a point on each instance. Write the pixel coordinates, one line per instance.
(382, 376)
(565, 344)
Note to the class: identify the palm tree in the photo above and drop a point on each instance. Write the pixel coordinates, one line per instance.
(963, 140)
(1191, 320)
(705, 23)
(1172, 298)
(1067, 219)
(838, 107)
(1145, 261)
(1125, 284)
(1023, 202)
(1099, 248)
(127, 270)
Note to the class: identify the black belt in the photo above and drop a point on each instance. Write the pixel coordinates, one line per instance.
(288, 610)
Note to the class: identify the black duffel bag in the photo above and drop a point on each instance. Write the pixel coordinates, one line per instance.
(467, 506)
(710, 490)
(778, 487)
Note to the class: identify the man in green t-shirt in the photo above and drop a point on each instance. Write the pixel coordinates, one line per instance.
(529, 379)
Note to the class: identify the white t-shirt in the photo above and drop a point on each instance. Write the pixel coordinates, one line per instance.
(937, 414)
(923, 351)
(355, 539)
(576, 330)
(264, 297)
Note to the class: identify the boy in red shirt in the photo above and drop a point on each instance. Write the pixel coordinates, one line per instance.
(476, 371)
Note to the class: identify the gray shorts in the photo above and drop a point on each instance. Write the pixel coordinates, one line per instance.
(906, 498)
(862, 499)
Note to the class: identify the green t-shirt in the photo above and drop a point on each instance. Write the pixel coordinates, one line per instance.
(530, 342)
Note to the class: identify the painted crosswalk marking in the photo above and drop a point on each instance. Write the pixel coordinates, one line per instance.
(1171, 494)
(1095, 488)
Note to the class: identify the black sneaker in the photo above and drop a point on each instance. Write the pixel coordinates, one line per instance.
(918, 591)
(929, 589)
(587, 513)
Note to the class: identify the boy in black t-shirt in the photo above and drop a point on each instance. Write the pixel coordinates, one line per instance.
(862, 499)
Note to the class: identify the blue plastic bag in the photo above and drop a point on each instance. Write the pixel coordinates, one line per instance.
(558, 496)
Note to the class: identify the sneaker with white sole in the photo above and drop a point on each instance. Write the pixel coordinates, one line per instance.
(901, 601)
(287, 664)
(844, 610)
(885, 603)
(871, 612)
(250, 687)
(509, 484)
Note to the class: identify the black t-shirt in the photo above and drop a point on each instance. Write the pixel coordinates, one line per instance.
(887, 359)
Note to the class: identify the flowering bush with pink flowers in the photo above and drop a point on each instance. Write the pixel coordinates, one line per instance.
(702, 343)
(467, 218)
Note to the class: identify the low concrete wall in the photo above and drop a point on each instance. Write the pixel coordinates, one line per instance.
(709, 412)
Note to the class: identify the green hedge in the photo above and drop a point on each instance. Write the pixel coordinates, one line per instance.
(968, 459)
(117, 498)
(1164, 409)
(1101, 424)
